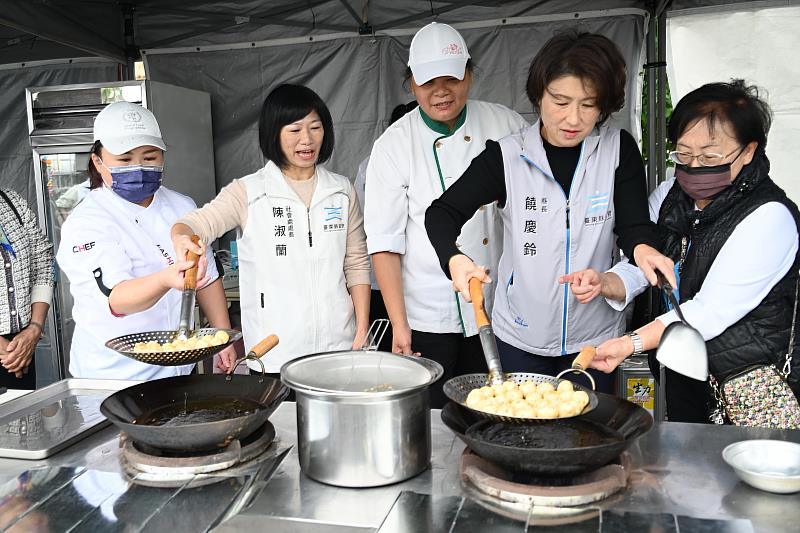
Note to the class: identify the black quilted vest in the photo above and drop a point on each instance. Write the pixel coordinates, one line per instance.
(763, 334)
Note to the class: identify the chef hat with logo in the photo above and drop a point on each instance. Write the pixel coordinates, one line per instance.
(123, 126)
(437, 50)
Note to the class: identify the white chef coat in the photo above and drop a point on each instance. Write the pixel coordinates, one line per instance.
(107, 240)
(747, 267)
(411, 165)
(359, 184)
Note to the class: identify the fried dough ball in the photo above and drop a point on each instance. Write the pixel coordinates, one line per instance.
(529, 400)
(565, 385)
(547, 411)
(569, 408)
(192, 343)
(581, 397)
(545, 387)
(528, 388)
(514, 395)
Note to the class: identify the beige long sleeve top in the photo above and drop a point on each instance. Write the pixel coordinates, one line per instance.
(229, 210)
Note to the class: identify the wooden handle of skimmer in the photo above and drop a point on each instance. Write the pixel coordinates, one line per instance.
(584, 358)
(190, 275)
(264, 346)
(476, 293)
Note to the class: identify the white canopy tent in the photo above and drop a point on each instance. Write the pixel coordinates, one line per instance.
(759, 44)
(352, 52)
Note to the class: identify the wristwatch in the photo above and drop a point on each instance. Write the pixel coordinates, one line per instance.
(638, 344)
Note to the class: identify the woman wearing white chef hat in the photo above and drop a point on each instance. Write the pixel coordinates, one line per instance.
(413, 163)
(116, 250)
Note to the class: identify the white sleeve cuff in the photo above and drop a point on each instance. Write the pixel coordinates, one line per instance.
(668, 318)
(386, 243)
(634, 281)
(42, 294)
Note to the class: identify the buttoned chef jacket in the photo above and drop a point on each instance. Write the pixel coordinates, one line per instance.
(107, 240)
(413, 163)
(291, 266)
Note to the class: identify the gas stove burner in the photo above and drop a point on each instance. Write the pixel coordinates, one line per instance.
(145, 465)
(545, 499)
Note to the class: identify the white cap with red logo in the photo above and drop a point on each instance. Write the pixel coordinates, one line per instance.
(437, 50)
(123, 126)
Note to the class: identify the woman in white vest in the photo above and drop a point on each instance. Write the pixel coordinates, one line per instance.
(411, 164)
(565, 186)
(303, 264)
(117, 253)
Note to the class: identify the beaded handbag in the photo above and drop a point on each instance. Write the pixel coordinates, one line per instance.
(759, 395)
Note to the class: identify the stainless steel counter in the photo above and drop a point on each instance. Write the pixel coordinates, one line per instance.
(680, 483)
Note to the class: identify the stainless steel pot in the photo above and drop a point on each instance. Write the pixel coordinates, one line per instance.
(363, 418)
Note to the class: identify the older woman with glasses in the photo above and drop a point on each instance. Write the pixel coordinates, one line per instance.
(733, 235)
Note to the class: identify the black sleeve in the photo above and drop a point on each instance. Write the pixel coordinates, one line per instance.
(482, 183)
(632, 216)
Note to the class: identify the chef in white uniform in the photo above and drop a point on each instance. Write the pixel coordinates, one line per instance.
(411, 164)
(117, 252)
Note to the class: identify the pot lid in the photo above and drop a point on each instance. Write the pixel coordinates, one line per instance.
(357, 372)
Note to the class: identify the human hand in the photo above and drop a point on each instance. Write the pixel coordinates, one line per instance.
(401, 339)
(173, 277)
(360, 338)
(611, 353)
(648, 259)
(462, 269)
(225, 360)
(183, 244)
(586, 285)
(19, 351)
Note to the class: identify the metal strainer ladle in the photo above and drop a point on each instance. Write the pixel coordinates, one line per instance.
(125, 344)
(682, 348)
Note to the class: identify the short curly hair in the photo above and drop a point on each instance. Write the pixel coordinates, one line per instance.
(736, 103)
(593, 58)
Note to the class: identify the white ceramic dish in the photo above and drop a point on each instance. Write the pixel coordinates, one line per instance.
(770, 465)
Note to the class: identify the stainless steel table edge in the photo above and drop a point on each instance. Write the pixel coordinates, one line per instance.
(51, 391)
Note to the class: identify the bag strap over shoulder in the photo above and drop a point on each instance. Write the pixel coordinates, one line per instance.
(14, 209)
(787, 365)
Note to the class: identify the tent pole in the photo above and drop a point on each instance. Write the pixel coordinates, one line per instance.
(662, 98)
(649, 72)
(131, 51)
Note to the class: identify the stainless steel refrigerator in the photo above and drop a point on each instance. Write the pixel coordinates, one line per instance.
(60, 121)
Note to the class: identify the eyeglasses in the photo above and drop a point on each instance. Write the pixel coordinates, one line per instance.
(705, 160)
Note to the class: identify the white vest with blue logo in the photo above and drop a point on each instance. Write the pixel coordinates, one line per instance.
(291, 265)
(548, 233)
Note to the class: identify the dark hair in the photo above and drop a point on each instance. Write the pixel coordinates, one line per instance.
(593, 58)
(95, 179)
(408, 75)
(735, 103)
(400, 111)
(284, 105)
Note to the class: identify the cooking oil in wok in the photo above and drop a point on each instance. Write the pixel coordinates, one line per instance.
(559, 434)
(187, 412)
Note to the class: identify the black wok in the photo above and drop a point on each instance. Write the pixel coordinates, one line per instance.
(234, 409)
(560, 447)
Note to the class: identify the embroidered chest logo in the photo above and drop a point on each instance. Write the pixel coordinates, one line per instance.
(283, 228)
(83, 247)
(598, 211)
(170, 260)
(334, 220)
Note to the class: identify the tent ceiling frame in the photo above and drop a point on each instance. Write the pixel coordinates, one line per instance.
(399, 32)
(275, 16)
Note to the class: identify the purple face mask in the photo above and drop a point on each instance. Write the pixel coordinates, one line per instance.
(703, 183)
(135, 183)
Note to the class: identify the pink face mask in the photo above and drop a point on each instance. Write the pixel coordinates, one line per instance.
(703, 183)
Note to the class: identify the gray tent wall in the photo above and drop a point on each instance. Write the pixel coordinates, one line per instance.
(16, 164)
(361, 80)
